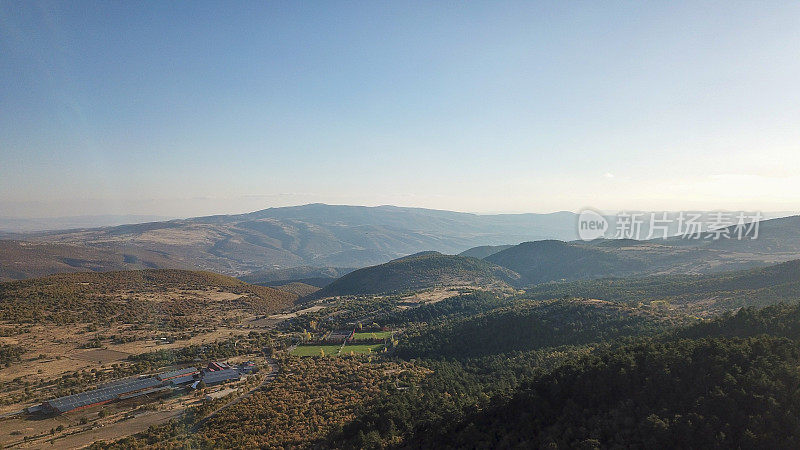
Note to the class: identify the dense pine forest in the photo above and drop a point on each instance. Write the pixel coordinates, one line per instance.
(705, 393)
(706, 295)
(734, 383)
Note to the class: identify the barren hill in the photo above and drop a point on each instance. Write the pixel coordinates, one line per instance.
(165, 299)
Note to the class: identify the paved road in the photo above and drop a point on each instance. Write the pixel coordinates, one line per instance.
(273, 372)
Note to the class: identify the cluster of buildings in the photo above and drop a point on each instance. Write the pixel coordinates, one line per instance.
(220, 372)
(214, 373)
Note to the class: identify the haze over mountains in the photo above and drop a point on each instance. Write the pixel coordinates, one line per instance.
(532, 263)
(323, 242)
(311, 235)
(27, 225)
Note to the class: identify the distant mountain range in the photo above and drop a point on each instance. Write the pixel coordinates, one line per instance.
(531, 263)
(27, 225)
(543, 261)
(311, 235)
(317, 243)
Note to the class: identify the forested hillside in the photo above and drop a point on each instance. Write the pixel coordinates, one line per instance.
(696, 294)
(614, 375)
(780, 320)
(648, 389)
(706, 393)
(529, 325)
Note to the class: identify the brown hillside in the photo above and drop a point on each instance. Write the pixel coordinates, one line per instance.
(165, 298)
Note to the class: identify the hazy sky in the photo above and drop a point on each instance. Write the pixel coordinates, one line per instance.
(193, 108)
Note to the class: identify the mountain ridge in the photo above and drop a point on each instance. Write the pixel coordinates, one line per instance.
(341, 236)
(316, 235)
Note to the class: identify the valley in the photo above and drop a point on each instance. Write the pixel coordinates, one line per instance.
(425, 330)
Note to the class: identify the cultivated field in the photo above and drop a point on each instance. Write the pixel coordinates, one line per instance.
(361, 336)
(334, 350)
(361, 349)
(316, 350)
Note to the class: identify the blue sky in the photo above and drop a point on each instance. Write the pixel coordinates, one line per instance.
(190, 108)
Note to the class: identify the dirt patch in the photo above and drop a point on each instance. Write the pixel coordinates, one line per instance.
(101, 355)
(188, 294)
(296, 313)
(116, 431)
(264, 322)
(122, 420)
(432, 295)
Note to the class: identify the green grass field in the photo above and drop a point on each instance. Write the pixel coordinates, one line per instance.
(372, 335)
(315, 350)
(361, 349)
(333, 350)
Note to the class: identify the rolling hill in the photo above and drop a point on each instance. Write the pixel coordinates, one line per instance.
(420, 271)
(543, 261)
